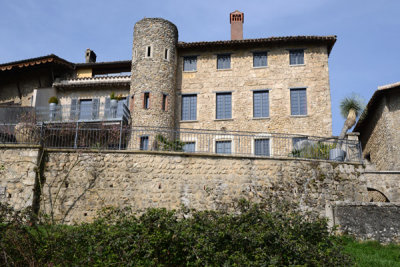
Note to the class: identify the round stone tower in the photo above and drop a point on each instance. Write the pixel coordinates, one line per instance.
(154, 64)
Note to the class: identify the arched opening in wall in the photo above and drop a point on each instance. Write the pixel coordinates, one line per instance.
(376, 196)
(368, 157)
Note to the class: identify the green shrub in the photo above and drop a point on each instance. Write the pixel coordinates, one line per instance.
(169, 145)
(248, 236)
(54, 100)
(316, 151)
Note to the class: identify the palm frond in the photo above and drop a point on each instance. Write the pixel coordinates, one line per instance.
(352, 102)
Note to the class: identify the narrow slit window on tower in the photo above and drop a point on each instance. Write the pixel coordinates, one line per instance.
(146, 101)
(164, 105)
(148, 51)
(166, 54)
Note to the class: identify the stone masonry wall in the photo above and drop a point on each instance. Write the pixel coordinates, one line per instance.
(17, 172)
(278, 77)
(80, 184)
(385, 182)
(366, 221)
(383, 140)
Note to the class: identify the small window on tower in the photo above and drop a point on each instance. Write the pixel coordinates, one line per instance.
(148, 51)
(166, 54)
(164, 102)
(146, 101)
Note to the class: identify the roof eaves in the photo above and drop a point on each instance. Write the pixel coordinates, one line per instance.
(370, 108)
(35, 61)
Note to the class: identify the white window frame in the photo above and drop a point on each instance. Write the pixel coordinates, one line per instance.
(218, 138)
(262, 136)
(146, 51)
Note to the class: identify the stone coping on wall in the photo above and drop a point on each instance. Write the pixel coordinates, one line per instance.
(359, 203)
(20, 146)
(382, 172)
(185, 154)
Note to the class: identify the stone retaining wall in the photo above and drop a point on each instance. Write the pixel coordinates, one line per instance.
(368, 221)
(78, 185)
(17, 175)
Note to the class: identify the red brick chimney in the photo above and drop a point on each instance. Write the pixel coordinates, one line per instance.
(236, 20)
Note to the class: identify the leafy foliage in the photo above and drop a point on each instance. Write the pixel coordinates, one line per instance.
(351, 102)
(249, 236)
(53, 99)
(318, 150)
(169, 145)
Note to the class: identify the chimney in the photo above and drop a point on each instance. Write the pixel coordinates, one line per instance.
(236, 20)
(90, 56)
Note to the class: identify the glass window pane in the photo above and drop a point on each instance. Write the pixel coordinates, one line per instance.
(261, 147)
(189, 107)
(298, 101)
(223, 61)
(224, 106)
(85, 109)
(189, 147)
(261, 104)
(296, 57)
(223, 147)
(190, 63)
(260, 59)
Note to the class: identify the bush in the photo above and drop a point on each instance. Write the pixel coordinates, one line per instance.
(54, 100)
(318, 150)
(249, 236)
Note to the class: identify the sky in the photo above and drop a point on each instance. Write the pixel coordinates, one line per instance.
(365, 56)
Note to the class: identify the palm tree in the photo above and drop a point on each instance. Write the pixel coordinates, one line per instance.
(350, 107)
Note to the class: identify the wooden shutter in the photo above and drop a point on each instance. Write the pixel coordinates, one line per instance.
(224, 106)
(298, 101)
(95, 108)
(107, 106)
(73, 115)
(303, 102)
(294, 102)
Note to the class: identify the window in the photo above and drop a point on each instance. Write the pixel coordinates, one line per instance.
(223, 61)
(298, 101)
(224, 105)
(89, 109)
(166, 54)
(259, 59)
(149, 51)
(190, 63)
(189, 147)
(260, 104)
(146, 100)
(261, 147)
(164, 102)
(144, 143)
(296, 57)
(223, 147)
(189, 107)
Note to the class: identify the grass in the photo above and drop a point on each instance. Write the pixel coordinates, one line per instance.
(372, 253)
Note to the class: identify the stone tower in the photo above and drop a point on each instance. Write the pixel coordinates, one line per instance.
(154, 64)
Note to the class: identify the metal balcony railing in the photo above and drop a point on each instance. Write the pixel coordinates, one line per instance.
(120, 137)
(67, 113)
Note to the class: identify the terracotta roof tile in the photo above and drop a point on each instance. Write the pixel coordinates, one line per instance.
(329, 40)
(35, 61)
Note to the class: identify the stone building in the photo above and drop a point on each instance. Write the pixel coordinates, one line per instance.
(265, 85)
(379, 129)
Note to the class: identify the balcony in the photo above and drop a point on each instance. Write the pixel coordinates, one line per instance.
(85, 112)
